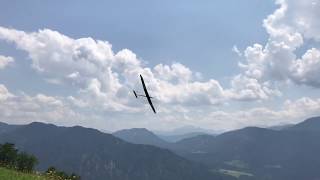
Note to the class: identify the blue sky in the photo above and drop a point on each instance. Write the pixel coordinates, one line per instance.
(199, 37)
(197, 34)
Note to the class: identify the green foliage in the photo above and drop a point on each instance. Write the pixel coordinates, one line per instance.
(8, 155)
(53, 174)
(10, 174)
(7, 174)
(11, 158)
(25, 162)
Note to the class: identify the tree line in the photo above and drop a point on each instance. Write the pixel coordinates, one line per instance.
(11, 158)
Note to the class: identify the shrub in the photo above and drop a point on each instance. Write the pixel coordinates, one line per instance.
(8, 155)
(52, 173)
(11, 158)
(25, 162)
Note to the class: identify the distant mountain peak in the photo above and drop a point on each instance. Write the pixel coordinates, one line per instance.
(254, 129)
(4, 127)
(36, 123)
(3, 124)
(143, 130)
(312, 120)
(311, 124)
(140, 136)
(134, 130)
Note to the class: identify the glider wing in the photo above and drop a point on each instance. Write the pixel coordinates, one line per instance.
(147, 94)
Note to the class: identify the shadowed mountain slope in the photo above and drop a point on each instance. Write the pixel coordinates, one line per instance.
(289, 154)
(4, 127)
(179, 137)
(140, 136)
(95, 155)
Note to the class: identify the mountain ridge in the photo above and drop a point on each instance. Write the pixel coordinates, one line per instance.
(96, 155)
(140, 136)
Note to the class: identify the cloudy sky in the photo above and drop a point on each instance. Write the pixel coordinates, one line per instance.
(212, 64)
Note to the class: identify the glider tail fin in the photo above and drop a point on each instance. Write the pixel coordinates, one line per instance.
(135, 94)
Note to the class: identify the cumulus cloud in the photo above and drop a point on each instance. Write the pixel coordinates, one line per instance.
(4, 93)
(5, 61)
(246, 88)
(22, 108)
(299, 18)
(307, 69)
(276, 61)
(105, 78)
(236, 50)
(290, 111)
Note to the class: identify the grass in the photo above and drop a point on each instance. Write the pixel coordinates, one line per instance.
(6, 174)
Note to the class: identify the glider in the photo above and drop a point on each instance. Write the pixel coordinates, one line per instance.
(146, 94)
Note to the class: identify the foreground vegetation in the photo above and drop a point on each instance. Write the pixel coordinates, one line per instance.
(8, 174)
(15, 165)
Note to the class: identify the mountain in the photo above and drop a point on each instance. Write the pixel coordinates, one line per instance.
(179, 137)
(197, 144)
(140, 136)
(250, 153)
(144, 136)
(186, 130)
(95, 155)
(4, 127)
(278, 153)
(311, 124)
(288, 154)
(280, 127)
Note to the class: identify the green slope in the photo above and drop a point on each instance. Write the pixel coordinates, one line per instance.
(6, 174)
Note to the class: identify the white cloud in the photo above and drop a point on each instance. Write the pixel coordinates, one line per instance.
(4, 93)
(105, 78)
(5, 61)
(307, 69)
(246, 88)
(236, 50)
(176, 73)
(277, 62)
(22, 108)
(296, 16)
(291, 111)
